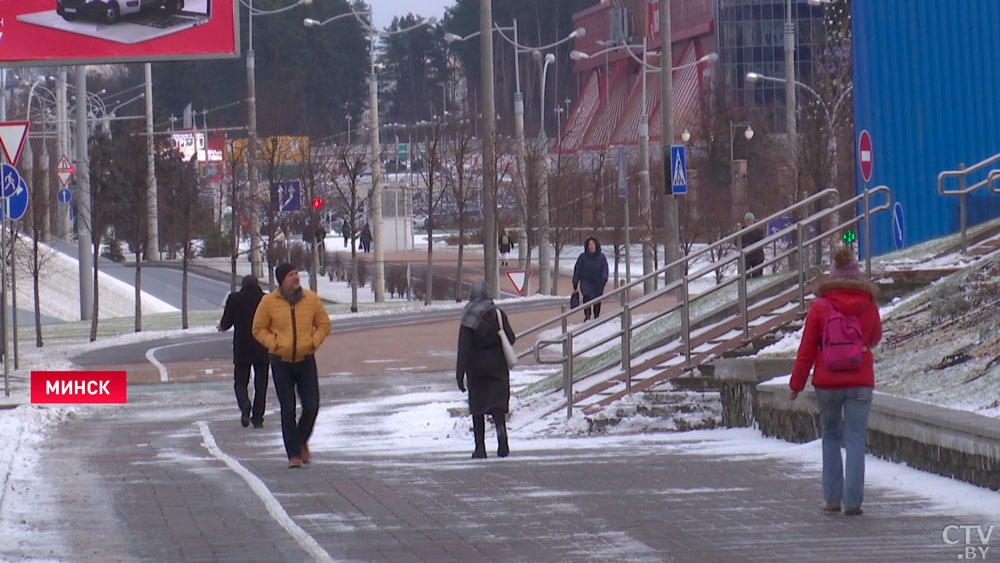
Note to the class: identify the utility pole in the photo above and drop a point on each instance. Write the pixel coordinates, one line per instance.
(379, 275)
(84, 224)
(152, 203)
(671, 224)
(256, 268)
(645, 192)
(489, 150)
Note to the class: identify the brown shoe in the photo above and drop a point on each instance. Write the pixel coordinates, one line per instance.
(294, 463)
(306, 455)
(853, 511)
(831, 507)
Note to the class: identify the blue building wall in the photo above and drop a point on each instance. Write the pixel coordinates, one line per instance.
(927, 89)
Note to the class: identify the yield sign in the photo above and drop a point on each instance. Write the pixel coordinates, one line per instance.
(12, 135)
(64, 170)
(518, 278)
(865, 157)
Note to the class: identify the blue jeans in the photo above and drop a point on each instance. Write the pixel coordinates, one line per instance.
(840, 485)
(287, 378)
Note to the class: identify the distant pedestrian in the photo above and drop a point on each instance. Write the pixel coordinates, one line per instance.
(345, 229)
(247, 352)
(292, 323)
(366, 238)
(504, 245)
(481, 363)
(756, 257)
(844, 396)
(590, 275)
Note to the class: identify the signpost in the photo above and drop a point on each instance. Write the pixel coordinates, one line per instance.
(678, 170)
(519, 278)
(12, 135)
(287, 196)
(623, 193)
(64, 170)
(866, 161)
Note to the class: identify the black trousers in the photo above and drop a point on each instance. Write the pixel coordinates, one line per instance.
(290, 378)
(596, 306)
(242, 379)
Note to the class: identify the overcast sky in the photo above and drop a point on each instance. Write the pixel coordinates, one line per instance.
(385, 10)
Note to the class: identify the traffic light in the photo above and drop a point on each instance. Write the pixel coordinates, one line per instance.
(849, 237)
(317, 203)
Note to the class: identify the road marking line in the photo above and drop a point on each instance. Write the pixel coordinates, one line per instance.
(150, 355)
(274, 508)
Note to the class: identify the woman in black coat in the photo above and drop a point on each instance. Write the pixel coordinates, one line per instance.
(590, 274)
(482, 363)
(247, 352)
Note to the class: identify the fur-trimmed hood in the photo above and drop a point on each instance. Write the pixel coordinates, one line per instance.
(848, 296)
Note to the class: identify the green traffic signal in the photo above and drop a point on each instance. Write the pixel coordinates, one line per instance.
(849, 237)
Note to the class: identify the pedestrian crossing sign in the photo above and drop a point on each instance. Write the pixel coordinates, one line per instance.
(678, 170)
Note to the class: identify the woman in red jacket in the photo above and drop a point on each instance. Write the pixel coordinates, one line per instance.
(847, 391)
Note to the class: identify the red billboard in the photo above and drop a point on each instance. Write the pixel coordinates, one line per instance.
(46, 32)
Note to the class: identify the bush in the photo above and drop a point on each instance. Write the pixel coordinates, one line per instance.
(113, 250)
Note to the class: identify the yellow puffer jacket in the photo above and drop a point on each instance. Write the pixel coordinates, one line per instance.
(291, 331)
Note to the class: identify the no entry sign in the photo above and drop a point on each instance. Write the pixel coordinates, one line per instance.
(865, 156)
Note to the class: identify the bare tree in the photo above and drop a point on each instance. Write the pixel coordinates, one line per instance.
(459, 180)
(432, 152)
(350, 164)
(239, 200)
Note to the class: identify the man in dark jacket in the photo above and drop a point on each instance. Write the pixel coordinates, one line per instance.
(247, 352)
(590, 275)
(755, 257)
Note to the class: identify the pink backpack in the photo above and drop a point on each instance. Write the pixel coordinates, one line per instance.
(842, 346)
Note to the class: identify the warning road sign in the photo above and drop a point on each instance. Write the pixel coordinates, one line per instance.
(519, 278)
(64, 170)
(12, 135)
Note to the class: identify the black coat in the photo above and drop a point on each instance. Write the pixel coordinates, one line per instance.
(240, 307)
(752, 237)
(591, 271)
(481, 359)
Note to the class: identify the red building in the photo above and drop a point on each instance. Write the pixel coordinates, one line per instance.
(608, 108)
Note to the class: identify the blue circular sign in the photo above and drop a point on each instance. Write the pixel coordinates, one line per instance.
(897, 225)
(64, 195)
(15, 192)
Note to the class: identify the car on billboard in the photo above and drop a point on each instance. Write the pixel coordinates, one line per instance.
(110, 11)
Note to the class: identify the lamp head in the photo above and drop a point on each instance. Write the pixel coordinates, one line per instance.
(748, 133)
(451, 37)
(536, 54)
(305, 2)
(578, 55)
(686, 135)
(309, 22)
(550, 58)
(431, 20)
(753, 77)
(578, 32)
(710, 58)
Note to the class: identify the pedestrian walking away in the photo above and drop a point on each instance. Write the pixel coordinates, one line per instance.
(590, 275)
(345, 229)
(755, 257)
(481, 364)
(292, 323)
(366, 238)
(247, 352)
(843, 392)
(504, 245)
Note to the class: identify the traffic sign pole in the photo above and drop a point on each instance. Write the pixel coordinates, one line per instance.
(866, 162)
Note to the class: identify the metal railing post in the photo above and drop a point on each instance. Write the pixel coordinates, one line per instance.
(961, 204)
(626, 341)
(686, 320)
(568, 374)
(802, 271)
(868, 234)
(742, 270)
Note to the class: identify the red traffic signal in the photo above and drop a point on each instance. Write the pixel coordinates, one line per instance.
(317, 203)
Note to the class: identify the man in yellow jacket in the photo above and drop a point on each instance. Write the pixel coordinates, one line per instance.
(292, 324)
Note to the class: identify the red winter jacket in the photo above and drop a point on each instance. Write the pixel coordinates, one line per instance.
(851, 298)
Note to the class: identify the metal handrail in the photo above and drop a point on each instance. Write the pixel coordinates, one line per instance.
(683, 305)
(962, 174)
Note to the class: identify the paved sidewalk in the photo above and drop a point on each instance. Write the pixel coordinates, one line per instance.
(137, 483)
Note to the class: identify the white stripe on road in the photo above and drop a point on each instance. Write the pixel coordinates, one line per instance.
(274, 508)
(151, 356)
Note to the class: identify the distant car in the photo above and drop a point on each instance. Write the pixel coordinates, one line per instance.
(110, 11)
(418, 220)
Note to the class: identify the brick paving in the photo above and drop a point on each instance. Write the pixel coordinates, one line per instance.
(135, 483)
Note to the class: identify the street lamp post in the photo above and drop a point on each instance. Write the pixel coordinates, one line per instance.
(737, 170)
(255, 242)
(545, 271)
(376, 167)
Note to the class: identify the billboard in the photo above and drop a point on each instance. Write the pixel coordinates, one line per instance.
(47, 32)
(190, 142)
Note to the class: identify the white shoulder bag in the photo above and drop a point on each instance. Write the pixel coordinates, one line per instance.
(508, 350)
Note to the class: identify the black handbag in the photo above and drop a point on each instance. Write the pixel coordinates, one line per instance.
(574, 300)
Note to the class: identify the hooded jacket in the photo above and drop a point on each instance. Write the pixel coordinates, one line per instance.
(851, 298)
(238, 313)
(591, 270)
(291, 331)
(480, 356)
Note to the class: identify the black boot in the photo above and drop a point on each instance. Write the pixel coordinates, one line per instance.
(479, 432)
(501, 423)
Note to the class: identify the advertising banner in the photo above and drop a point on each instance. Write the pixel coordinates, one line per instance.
(46, 32)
